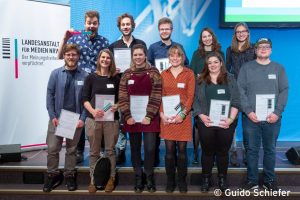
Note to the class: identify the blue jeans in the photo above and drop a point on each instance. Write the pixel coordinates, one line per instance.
(122, 140)
(255, 134)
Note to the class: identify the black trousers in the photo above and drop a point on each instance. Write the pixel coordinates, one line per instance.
(215, 143)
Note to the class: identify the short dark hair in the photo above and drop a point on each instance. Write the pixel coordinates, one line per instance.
(125, 15)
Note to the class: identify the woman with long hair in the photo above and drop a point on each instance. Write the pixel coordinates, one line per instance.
(102, 82)
(240, 52)
(143, 80)
(215, 83)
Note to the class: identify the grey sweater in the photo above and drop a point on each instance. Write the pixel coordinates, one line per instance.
(255, 78)
(200, 101)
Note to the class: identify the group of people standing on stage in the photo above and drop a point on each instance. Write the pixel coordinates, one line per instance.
(90, 70)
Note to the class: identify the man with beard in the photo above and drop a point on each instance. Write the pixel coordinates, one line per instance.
(90, 44)
(64, 92)
(263, 86)
(159, 51)
(126, 25)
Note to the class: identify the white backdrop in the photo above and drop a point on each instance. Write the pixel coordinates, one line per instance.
(30, 33)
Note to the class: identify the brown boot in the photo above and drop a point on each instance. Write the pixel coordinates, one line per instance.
(110, 186)
(92, 188)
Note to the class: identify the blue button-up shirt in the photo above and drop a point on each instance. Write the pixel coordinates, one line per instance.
(89, 50)
(159, 50)
(56, 92)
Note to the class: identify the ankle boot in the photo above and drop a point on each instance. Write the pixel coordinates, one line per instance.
(222, 182)
(170, 171)
(205, 182)
(182, 173)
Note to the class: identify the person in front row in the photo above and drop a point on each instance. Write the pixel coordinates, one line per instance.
(259, 81)
(215, 83)
(176, 130)
(64, 92)
(102, 82)
(141, 81)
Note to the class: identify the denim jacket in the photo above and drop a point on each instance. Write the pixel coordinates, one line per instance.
(56, 92)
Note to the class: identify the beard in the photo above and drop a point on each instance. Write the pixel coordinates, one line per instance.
(166, 38)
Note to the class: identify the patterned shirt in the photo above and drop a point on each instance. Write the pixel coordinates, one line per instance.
(89, 50)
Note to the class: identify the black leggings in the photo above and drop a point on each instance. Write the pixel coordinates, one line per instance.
(215, 141)
(175, 147)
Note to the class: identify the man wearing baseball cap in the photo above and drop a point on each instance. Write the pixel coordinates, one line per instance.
(263, 85)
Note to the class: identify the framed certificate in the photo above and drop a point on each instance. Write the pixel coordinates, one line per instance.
(171, 105)
(138, 107)
(122, 58)
(265, 105)
(219, 109)
(67, 124)
(105, 102)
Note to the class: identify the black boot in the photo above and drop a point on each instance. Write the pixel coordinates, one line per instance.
(71, 181)
(139, 186)
(170, 171)
(222, 182)
(121, 157)
(182, 173)
(52, 181)
(205, 182)
(150, 184)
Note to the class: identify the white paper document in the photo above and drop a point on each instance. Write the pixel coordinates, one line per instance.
(105, 102)
(138, 107)
(265, 105)
(67, 124)
(171, 105)
(122, 58)
(219, 110)
(162, 64)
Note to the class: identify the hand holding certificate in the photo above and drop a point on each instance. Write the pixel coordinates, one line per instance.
(105, 103)
(265, 105)
(162, 64)
(67, 124)
(219, 110)
(138, 107)
(171, 106)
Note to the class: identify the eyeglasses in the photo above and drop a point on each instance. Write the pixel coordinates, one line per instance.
(165, 29)
(263, 47)
(241, 32)
(71, 54)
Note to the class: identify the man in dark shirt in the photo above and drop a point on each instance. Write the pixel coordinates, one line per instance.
(126, 25)
(90, 44)
(159, 50)
(64, 92)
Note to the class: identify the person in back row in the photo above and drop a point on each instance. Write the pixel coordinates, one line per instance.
(240, 52)
(90, 45)
(126, 25)
(208, 42)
